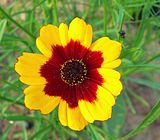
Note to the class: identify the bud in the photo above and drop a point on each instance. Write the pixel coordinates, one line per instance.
(122, 33)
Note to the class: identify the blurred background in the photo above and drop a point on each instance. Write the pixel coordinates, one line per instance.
(135, 23)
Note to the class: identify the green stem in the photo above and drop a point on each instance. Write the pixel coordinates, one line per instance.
(105, 16)
(17, 24)
(55, 12)
(92, 130)
(11, 100)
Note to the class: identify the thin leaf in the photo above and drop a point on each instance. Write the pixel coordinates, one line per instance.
(150, 118)
(115, 124)
(15, 22)
(148, 83)
(105, 16)
(129, 102)
(2, 27)
(5, 133)
(55, 12)
(11, 100)
(40, 132)
(138, 97)
(25, 137)
(19, 118)
(95, 135)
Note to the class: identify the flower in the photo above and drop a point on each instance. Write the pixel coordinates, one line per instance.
(71, 72)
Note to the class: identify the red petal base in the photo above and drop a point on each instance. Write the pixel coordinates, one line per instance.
(57, 87)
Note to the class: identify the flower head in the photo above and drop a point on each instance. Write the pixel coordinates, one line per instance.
(72, 73)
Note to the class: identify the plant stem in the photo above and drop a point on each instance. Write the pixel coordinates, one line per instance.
(105, 16)
(55, 12)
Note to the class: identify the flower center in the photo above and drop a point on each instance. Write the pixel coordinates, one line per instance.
(73, 72)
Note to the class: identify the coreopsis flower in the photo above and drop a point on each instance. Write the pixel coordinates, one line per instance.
(72, 73)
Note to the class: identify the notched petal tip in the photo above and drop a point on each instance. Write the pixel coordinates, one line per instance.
(46, 27)
(80, 31)
(49, 37)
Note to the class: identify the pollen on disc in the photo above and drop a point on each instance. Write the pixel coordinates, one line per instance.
(73, 72)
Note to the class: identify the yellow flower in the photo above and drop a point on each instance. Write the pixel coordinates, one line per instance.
(72, 72)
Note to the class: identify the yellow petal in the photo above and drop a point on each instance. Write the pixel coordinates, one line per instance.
(75, 119)
(35, 98)
(50, 105)
(62, 113)
(113, 85)
(104, 94)
(80, 31)
(86, 112)
(36, 101)
(63, 32)
(88, 36)
(105, 73)
(112, 64)
(49, 34)
(33, 89)
(47, 51)
(36, 80)
(99, 109)
(49, 37)
(110, 49)
(29, 64)
(71, 117)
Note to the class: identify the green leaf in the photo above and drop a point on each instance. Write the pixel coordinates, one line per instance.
(2, 25)
(19, 118)
(105, 16)
(129, 103)
(117, 121)
(150, 118)
(55, 12)
(148, 83)
(15, 22)
(143, 25)
(138, 97)
(11, 100)
(137, 66)
(24, 134)
(94, 133)
(5, 133)
(41, 132)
